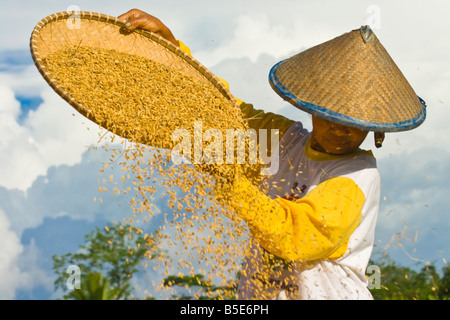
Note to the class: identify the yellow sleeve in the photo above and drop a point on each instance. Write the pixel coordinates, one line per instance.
(258, 119)
(184, 48)
(317, 226)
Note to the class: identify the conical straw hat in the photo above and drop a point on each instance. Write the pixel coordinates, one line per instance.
(350, 80)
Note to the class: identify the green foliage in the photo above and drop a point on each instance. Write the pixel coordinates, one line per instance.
(404, 283)
(444, 287)
(107, 261)
(199, 288)
(96, 287)
(111, 256)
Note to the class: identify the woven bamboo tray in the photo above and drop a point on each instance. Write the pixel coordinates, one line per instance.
(98, 30)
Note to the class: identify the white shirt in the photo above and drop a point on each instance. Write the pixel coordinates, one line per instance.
(302, 169)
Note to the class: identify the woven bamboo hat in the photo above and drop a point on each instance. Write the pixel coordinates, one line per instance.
(350, 80)
(82, 28)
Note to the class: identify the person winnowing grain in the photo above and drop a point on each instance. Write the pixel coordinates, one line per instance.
(315, 217)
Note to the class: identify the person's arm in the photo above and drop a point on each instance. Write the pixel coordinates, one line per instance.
(259, 119)
(317, 226)
(136, 18)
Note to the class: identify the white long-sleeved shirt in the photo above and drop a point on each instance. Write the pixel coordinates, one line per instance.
(338, 273)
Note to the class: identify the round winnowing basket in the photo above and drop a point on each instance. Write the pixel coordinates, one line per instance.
(96, 30)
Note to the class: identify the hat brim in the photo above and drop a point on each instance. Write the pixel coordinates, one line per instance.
(323, 112)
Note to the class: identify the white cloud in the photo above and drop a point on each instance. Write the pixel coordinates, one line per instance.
(256, 34)
(54, 134)
(11, 277)
(10, 107)
(32, 275)
(24, 80)
(19, 155)
(59, 131)
(253, 35)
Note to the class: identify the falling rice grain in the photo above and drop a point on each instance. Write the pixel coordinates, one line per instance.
(145, 102)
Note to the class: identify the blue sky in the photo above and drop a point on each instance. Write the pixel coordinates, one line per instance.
(48, 177)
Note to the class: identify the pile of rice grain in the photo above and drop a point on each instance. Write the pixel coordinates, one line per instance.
(116, 87)
(145, 101)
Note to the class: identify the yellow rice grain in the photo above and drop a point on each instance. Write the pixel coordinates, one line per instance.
(145, 101)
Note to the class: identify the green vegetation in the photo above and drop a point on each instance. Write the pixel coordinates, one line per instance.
(108, 260)
(111, 256)
(403, 283)
(199, 288)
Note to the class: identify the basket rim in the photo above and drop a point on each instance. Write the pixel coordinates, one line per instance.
(105, 18)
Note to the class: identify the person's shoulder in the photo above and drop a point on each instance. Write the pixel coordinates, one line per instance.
(360, 166)
(363, 170)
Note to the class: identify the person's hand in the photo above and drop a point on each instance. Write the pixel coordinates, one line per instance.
(136, 18)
